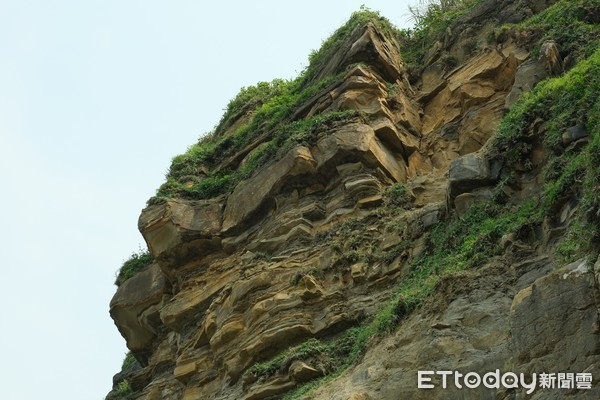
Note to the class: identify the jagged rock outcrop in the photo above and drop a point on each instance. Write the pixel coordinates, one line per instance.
(310, 245)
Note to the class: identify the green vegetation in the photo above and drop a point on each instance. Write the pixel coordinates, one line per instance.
(221, 181)
(303, 351)
(317, 59)
(314, 270)
(571, 173)
(468, 242)
(455, 246)
(465, 243)
(331, 357)
(398, 195)
(573, 24)
(215, 164)
(124, 389)
(431, 17)
(250, 98)
(135, 263)
(128, 361)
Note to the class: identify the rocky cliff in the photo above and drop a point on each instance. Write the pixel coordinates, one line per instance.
(422, 200)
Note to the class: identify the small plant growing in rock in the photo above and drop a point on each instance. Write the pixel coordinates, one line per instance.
(124, 388)
(392, 90)
(398, 195)
(296, 278)
(128, 361)
(336, 248)
(449, 61)
(470, 46)
(135, 263)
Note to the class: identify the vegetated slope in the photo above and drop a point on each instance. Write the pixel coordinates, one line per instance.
(415, 200)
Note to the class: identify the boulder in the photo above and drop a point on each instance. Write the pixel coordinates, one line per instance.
(464, 201)
(359, 91)
(573, 134)
(550, 57)
(301, 372)
(485, 78)
(467, 173)
(397, 138)
(366, 44)
(527, 76)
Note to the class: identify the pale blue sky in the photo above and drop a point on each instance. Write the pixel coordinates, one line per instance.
(96, 97)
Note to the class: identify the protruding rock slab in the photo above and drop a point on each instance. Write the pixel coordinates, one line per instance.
(134, 308)
(469, 172)
(366, 44)
(301, 372)
(250, 195)
(574, 133)
(179, 230)
(358, 142)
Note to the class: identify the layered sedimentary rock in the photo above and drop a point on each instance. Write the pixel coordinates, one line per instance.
(242, 277)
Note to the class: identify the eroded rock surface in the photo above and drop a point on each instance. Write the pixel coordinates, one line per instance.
(303, 248)
(486, 323)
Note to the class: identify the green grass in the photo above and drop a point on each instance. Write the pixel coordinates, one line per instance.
(251, 98)
(196, 174)
(303, 351)
(430, 23)
(332, 357)
(563, 101)
(128, 361)
(124, 389)
(397, 195)
(455, 245)
(136, 262)
(288, 135)
(573, 24)
(319, 58)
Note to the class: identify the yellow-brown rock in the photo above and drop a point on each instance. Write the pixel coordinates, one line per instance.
(135, 306)
(311, 244)
(179, 230)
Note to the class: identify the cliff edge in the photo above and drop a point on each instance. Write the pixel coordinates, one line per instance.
(421, 200)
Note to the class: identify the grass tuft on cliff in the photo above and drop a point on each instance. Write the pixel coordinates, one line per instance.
(573, 24)
(134, 264)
